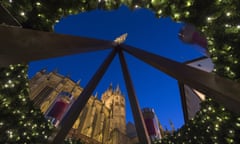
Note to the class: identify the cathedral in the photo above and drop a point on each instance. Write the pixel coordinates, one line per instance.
(101, 121)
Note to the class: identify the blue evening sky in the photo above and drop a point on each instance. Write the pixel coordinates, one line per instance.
(160, 36)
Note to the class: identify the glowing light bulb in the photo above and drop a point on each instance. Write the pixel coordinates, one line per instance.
(9, 81)
(209, 19)
(187, 13)
(136, 6)
(22, 14)
(188, 3)
(6, 85)
(238, 124)
(228, 14)
(159, 11)
(38, 3)
(227, 25)
(11, 67)
(7, 74)
(176, 15)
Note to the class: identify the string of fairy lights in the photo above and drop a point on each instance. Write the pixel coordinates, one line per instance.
(218, 20)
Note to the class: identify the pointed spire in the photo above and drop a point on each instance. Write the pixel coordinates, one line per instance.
(118, 91)
(44, 70)
(78, 82)
(96, 95)
(110, 86)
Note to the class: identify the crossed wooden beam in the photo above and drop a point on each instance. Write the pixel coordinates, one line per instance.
(22, 46)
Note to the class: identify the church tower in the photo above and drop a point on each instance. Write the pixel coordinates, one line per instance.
(115, 101)
(101, 121)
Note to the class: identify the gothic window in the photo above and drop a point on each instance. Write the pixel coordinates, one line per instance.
(45, 92)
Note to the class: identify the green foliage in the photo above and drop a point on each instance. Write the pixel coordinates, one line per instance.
(213, 124)
(20, 122)
(218, 20)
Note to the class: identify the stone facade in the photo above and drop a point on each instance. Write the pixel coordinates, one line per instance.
(101, 121)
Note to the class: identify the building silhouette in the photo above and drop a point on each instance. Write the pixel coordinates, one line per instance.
(190, 97)
(101, 121)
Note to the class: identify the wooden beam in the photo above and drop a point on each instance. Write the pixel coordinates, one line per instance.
(184, 101)
(24, 45)
(136, 110)
(81, 101)
(224, 91)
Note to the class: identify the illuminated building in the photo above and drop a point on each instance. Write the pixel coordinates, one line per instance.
(101, 121)
(152, 123)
